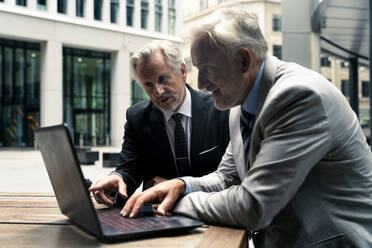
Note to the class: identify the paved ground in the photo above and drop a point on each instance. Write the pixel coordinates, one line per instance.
(22, 170)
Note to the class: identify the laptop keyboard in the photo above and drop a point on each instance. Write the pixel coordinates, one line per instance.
(113, 219)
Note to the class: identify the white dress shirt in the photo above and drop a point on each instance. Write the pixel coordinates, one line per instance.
(185, 110)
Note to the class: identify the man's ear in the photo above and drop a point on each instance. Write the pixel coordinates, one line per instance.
(244, 59)
(183, 71)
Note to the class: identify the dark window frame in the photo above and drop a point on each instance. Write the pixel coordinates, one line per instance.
(144, 14)
(114, 8)
(62, 6)
(130, 13)
(80, 4)
(158, 15)
(365, 88)
(277, 51)
(97, 6)
(277, 23)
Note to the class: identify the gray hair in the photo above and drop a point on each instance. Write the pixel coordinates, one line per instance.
(171, 53)
(232, 29)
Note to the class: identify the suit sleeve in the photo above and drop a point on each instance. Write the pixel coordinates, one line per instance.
(296, 136)
(224, 177)
(130, 163)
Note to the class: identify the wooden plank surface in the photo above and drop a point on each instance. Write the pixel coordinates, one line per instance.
(32, 200)
(14, 215)
(34, 220)
(18, 235)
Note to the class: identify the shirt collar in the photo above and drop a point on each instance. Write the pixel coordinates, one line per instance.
(251, 101)
(185, 108)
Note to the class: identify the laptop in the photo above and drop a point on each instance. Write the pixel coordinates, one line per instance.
(75, 202)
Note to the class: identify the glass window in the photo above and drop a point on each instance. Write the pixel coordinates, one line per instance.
(364, 118)
(80, 8)
(62, 6)
(344, 64)
(114, 7)
(171, 16)
(21, 2)
(365, 89)
(138, 93)
(277, 51)
(20, 92)
(203, 4)
(144, 13)
(277, 23)
(188, 64)
(97, 9)
(325, 61)
(158, 15)
(345, 87)
(42, 4)
(86, 94)
(130, 12)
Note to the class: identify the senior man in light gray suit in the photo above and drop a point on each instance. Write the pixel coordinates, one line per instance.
(298, 168)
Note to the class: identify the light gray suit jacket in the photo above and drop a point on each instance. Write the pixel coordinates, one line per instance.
(308, 181)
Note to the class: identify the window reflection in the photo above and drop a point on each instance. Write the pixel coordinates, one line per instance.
(19, 92)
(86, 94)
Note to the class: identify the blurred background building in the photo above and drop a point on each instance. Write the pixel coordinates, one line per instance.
(68, 61)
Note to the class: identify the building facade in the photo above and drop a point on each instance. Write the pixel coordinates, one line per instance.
(68, 61)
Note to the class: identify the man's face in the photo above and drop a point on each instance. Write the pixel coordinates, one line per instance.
(217, 74)
(165, 88)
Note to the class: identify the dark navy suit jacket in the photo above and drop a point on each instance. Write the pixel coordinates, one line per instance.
(146, 151)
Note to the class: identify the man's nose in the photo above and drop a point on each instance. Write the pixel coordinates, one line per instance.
(202, 82)
(159, 89)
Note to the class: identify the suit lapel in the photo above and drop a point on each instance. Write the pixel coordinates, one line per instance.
(198, 126)
(237, 141)
(160, 137)
(268, 79)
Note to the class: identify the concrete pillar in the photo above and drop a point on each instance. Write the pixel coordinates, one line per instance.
(52, 7)
(106, 11)
(178, 24)
(89, 9)
(12, 2)
(300, 44)
(122, 14)
(32, 4)
(164, 18)
(51, 100)
(151, 17)
(71, 8)
(137, 14)
(120, 94)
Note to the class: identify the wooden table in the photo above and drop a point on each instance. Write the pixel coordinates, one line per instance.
(34, 220)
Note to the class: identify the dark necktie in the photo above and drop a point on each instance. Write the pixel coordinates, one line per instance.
(182, 158)
(246, 120)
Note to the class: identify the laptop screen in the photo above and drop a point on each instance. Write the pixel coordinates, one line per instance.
(66, 177)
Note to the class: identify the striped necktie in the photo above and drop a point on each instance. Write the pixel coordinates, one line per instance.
(182, 158)
(246, 126)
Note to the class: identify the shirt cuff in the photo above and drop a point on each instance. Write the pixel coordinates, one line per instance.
(188, 188)
(116, 173)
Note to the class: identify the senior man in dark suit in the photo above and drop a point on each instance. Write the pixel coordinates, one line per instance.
(298, 168)
(177, 133)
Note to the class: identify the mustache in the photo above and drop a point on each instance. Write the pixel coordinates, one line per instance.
(163, 96)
